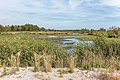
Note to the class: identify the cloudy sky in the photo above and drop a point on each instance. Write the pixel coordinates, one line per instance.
(61, 14)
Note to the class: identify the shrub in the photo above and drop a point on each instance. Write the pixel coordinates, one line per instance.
(100, 54)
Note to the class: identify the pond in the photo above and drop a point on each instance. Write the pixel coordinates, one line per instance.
(71, 43)
(68, 42)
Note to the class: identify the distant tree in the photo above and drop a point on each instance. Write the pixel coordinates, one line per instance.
(26, 27)
(1, 28)
(102, 29)
(42, 29)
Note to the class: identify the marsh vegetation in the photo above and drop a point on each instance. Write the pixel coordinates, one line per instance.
(30, 49)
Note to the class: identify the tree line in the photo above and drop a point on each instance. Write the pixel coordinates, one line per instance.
(112, 32)
(26, 27)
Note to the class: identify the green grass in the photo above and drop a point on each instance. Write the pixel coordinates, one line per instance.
(28, 46)
(103, 53)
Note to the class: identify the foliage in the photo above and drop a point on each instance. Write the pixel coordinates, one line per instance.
(26, 27)
(102, 53)
(27, 45)
(113, 32)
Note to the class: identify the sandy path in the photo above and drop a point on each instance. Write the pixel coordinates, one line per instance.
(28, 74)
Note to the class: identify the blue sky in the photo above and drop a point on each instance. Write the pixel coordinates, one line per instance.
(61, 14)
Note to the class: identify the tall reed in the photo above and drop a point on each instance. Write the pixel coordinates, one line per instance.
(71, 62)
(36, 62)
(47, 63)
(15, 60)
(102, 53)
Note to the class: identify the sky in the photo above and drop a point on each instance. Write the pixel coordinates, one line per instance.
(61, 14)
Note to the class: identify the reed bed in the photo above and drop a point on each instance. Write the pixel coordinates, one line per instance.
(102, 53)
(49, 33)
(36, 62)
(27, 45)
(25, 51)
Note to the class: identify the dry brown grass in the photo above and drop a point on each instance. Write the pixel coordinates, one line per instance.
(10, 32)
(48, 32)
(113, 61)
(111, 74)
(108, 76)
(36, 62)
(44, 61)
(4, 73)
(59, 63)
(15, 60)
(46, 78)
(1, 64)
(47, 63)
(63, 71)
(72, 64)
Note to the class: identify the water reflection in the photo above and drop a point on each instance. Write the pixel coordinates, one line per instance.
(68, 42)
(71, 44)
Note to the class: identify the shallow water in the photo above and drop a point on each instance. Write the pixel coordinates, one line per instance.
(68, 42)
(72, 43)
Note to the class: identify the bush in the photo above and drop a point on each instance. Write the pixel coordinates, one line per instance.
(100, 54)
(27, 45)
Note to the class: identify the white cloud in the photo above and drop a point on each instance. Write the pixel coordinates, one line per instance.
(112, 3)
(61, 5)
(58, 11)
(74, 3)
